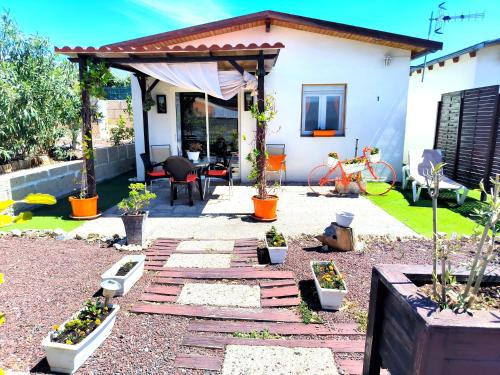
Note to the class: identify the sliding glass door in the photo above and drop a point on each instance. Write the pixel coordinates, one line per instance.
(222, 124)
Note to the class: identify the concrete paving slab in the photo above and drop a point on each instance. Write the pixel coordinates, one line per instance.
(199, 260)
(274, 360)
(213, 245)
(228, 295)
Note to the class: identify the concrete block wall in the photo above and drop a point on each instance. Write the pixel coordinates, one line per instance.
(61, 179)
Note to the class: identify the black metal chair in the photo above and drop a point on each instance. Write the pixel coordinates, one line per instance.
(182, 172)
(222, 170)
(150, 173)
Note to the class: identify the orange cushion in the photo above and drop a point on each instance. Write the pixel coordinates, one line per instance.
(276, 162)
(157, 174)
(189, 178)
(217, 172)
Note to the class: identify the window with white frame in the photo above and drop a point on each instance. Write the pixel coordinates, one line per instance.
(323, 108)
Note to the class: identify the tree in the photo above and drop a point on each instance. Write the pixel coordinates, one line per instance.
(39, 96)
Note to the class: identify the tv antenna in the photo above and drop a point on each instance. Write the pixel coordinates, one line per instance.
(441, 19)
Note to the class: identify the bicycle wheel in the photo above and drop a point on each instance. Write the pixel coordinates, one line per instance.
(322, 179)
(378, 178)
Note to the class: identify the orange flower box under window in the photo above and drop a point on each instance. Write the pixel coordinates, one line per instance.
(324, 133)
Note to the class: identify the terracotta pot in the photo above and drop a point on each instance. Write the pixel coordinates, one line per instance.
(324, 133)
(265, 209)
(83, 207)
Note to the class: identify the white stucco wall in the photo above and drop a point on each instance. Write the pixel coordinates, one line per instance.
(423, 97)
(375, 101)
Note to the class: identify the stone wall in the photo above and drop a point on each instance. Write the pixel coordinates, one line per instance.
(59, 179)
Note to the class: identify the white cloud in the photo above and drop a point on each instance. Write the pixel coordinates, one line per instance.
(186, 12)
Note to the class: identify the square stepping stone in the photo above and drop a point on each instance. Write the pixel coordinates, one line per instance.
(230, 295)
(199, 260)
(206, 245)
(275, 360)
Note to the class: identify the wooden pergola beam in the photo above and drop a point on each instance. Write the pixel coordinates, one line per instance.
(181, 59)
(87, 127)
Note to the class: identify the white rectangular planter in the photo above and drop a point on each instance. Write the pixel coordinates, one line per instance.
(353, 168)
(127, 281)
(331, 299)
(374, 158)
(66, 358)
(277, 254)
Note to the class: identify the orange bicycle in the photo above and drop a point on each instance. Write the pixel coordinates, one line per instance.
(372, 175)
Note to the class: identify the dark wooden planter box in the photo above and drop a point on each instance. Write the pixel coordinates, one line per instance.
(408, 335)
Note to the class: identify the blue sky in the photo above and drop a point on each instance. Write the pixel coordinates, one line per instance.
(98, 22)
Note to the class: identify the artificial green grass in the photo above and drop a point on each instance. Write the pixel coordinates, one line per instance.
(418, 216)
(57, 216)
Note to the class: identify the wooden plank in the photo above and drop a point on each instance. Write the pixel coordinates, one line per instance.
(162, 289)
(219, 342)
(154, 263)
(280, 302)
(168, 280)
(350, 366)
(270, 284)
(284, 291)
(218, 313)
(153, 268)
(226, 273)
(149, 297)
(198, 362)
(274, 328)
(158, 253)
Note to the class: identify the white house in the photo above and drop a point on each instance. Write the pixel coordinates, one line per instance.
(472, 67)
(323, 75)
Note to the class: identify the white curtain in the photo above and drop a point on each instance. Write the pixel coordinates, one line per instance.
(202, 77)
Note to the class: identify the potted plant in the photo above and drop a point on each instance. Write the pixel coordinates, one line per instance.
(194, 150)
(435, 319)
(126, 272)
(69, 345)
(354, 165)
(264, 201)
(330, 284)
(276, 246)
(373, 154)
(94, 78)
(134, 217)
(333, 159)
(344, 218)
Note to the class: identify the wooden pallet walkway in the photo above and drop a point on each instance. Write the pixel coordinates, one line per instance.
(198, 362)
(224, 273)
(286, 329)
(220, 342)
(267, 315)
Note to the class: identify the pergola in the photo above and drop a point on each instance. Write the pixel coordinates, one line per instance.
(252, 58)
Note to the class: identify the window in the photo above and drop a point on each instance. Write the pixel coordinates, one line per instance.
(323, 108)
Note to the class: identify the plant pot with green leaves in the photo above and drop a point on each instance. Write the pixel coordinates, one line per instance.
(69, 345)
(438, 319)
(193, 151)
(126, 272)
(134, 217)
(276, 245)
(373, 154)
(354, 165)
(265, 203)
(333, 159)
(330, 284)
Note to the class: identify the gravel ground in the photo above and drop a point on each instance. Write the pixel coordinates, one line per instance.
(356, 267)
(42, 288)
(47, 280)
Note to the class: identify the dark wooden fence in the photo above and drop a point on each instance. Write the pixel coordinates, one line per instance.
(467, 132)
